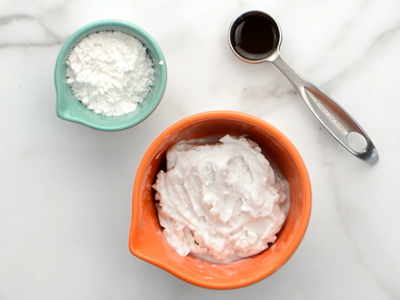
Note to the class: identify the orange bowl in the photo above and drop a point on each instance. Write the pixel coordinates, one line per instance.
(145, 237)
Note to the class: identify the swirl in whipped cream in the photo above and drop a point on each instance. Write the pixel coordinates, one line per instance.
(220, 202)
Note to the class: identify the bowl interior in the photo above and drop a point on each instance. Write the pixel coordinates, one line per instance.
(146, 240)
(70, 109)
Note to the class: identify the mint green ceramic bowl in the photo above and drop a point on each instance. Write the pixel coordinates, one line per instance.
(71, 109)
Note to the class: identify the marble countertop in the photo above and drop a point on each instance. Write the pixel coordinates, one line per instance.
(65, 196)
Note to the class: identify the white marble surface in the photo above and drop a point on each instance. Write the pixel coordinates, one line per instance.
(65, 188)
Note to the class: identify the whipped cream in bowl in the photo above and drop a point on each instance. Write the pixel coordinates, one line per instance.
(220, 199)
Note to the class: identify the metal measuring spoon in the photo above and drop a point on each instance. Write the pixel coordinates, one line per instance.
(255, 37)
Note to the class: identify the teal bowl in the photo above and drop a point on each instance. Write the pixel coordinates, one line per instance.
(71, 109)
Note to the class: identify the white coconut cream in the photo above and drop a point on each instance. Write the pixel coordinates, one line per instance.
(220, 202)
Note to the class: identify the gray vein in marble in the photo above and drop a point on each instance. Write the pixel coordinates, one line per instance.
(51, 38)
(383, 40)
(255, 97)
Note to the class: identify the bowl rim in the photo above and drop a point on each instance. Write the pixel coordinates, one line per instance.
(298, 236)
(58, 78)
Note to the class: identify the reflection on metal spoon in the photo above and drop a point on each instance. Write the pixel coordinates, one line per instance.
(255, 37)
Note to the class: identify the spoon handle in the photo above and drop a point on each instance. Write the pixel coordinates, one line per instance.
(334, 118)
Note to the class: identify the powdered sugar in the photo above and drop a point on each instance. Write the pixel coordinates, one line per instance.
(110, 72)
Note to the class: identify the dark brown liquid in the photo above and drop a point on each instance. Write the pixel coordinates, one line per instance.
(254, 35)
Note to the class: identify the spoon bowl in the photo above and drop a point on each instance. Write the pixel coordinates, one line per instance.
(255, 37)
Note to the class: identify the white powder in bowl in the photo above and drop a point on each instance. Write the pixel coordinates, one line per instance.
(110, 72)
